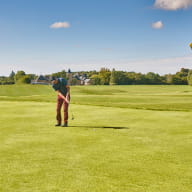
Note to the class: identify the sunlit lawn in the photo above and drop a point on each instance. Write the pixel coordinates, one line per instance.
(123, 139)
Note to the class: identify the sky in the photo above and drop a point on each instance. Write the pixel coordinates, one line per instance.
(47, 36)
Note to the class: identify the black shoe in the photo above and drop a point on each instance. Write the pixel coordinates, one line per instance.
(57, 125)
(65, 125)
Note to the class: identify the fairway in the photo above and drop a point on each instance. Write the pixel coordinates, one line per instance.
(123, 139)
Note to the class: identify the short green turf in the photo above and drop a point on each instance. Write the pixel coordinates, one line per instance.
(123, 139)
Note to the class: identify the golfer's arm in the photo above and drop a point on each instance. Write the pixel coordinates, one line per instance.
(61, 95)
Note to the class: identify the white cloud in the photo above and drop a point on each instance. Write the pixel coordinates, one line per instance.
(172, 4)
(58, 25)
(157, 25)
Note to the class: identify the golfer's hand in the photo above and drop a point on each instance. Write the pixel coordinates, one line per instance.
(66, 99)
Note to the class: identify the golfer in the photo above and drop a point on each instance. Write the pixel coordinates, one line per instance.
(63, 98)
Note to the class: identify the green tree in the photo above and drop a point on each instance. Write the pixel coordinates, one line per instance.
(95, 79)
(168, 79)
(5, 80)
(189, 77)
(153, 78)
(25, 79)
(181, 77)
(32, 76)
(112, 78)
(18, 75)
(104, 75)
(59, 74)
(176, 80)
(118, 78)
(74, 81)
(136, 78)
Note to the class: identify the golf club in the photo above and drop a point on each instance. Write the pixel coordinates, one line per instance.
(72, 116)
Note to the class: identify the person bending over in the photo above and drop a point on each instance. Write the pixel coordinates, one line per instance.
(63, 98)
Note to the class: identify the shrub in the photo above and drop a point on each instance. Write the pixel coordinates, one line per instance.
(189, 77)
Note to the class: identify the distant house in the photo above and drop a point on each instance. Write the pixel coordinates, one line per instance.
(72, 78)
(87, 82)
(76, 79)
(41, 80)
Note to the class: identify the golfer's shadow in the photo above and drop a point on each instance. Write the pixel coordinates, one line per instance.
(102, 127)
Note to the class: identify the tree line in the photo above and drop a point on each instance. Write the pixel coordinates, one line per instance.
(106, 76)
(112, 77)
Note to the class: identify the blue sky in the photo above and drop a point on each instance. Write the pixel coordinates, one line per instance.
(43, 37)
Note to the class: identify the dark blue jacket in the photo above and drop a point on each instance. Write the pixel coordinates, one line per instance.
(61, 86)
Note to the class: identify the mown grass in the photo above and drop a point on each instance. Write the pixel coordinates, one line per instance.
(165, 98)
(123, 138)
